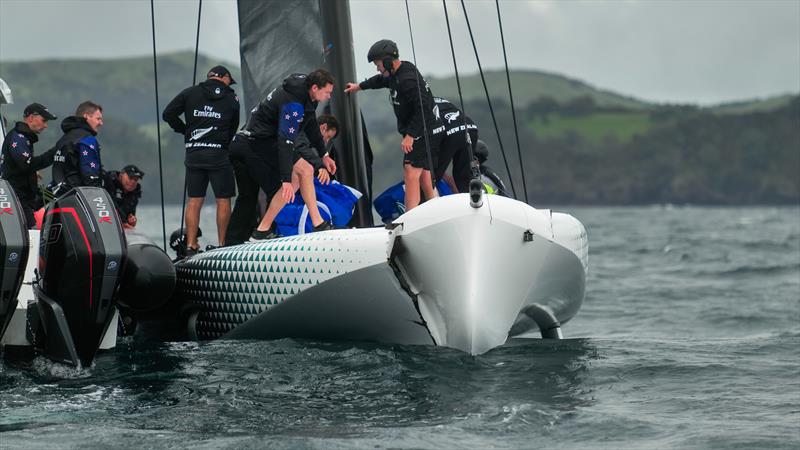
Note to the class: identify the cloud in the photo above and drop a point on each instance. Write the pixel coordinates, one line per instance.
(699, 51)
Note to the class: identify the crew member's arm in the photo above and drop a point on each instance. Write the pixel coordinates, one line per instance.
(376, 82)
(89, 162)
(291, 116)
(174, 109)
(234, 118)
(43, 160)
(19, 152)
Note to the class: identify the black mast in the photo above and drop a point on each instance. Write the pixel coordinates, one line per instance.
(337, 36)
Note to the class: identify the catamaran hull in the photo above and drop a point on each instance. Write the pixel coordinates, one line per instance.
(445, 274)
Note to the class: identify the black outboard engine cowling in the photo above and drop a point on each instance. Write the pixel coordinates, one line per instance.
(13, 252)
(82, 254)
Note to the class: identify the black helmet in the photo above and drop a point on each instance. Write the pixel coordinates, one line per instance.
(177, 241)
(481, 151)
(381, 49)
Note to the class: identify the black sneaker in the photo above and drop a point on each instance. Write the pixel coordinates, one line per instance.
(191, 251)
(324, 226)
(259, 236)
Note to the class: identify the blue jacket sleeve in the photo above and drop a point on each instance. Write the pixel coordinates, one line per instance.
(89, 160)
(291, 116)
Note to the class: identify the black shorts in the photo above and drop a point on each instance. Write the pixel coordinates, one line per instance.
(221, 178)
(418, 156)
(453, 148)
(256, 164)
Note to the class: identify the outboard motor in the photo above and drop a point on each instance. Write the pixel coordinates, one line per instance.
(13, 252)
(82, 254)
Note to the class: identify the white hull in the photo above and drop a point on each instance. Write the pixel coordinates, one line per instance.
(447, 274)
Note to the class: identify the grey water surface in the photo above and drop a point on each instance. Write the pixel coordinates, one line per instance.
(689, 337)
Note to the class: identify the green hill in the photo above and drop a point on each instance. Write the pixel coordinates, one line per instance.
(529, 86)
(580, 144)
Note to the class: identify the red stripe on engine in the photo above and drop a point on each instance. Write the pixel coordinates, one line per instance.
(85, 240)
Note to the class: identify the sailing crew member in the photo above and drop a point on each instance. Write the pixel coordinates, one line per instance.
(125, 191)
(211, 111)
(18, 164)
(263, 153)
(77, 159)
(454, 145)
(492, 183)
(418, 123)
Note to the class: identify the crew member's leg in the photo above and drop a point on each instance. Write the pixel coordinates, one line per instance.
(245, 215)
(462, 169)
(411, 176)
(196, 185)
(224, 185)
(305, 177)
(264, 168)
(427, 185)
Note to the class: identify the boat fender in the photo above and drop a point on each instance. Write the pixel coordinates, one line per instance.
(13, 252)
(148, 279)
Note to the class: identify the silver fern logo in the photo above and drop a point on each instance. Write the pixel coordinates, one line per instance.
(200, 132)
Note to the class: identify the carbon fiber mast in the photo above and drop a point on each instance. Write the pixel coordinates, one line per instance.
(337, 35)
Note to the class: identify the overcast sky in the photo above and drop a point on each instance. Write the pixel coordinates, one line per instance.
(702, 52)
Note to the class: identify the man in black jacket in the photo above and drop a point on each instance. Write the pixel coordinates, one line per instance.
(460, 133)
(263, 153)
(211, 111)
(126, 191)
(77, 159)
(18, 164)
(417, 116)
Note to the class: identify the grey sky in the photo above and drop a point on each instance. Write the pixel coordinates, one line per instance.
(670, 51)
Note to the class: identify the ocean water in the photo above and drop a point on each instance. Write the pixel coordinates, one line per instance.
(689, 337)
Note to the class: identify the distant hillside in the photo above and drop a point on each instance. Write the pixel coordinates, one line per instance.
(580, 144)
(125, 87)
(529, 86)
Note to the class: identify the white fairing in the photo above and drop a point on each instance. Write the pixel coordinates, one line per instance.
(474, 273)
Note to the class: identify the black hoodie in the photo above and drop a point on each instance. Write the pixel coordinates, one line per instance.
(77, 158)
(280, 118)
(211, 110)
(406, 88)
(20, 165)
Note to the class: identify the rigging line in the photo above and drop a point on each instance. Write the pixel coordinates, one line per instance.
(194, 81)
(489, 101)
(475, 170)
(511, 97)
(421, 106)
(158, 126)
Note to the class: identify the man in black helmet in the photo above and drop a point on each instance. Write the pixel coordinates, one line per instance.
(417, 117)
(211, 111)
(18, 164)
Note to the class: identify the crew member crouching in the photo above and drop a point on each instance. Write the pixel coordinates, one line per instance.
(126, 191)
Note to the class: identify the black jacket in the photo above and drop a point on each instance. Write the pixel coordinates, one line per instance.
(211, 111)
(281, 117)
(125, 202)
(406, 86)
(452, 117)
(19, 165)
(77, 159)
